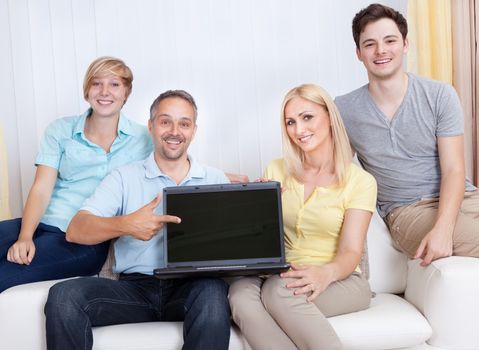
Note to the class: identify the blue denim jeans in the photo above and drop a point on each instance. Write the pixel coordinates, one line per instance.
(75, 306)
(54, 258)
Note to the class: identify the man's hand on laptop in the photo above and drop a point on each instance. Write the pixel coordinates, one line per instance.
(145, 224)
(237, 178)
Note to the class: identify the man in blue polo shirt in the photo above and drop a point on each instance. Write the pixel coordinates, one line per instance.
(126, 206)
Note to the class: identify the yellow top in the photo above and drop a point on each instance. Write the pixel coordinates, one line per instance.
(312, 227)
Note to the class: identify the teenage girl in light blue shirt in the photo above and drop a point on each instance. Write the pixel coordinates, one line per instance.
(75, 154)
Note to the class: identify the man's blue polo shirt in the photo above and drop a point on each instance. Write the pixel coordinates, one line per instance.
(131, 187)
(81, 164)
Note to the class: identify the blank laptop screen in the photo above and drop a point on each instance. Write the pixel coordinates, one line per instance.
(224, 225)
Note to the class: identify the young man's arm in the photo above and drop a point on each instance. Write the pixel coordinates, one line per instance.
(143, 224)
(438, 242)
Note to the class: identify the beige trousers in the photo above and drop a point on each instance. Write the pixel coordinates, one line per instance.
(271, 317)
(410, 223)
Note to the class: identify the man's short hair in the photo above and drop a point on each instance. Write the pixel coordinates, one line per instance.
(176, 94)
(373, 13)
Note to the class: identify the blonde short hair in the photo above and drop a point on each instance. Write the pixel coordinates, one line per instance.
(104, 66)
(293, 155)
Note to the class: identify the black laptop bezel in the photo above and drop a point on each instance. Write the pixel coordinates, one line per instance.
(252, 186)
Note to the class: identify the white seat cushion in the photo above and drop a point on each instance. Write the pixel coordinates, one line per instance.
(148, 336)
(389, 323)
(22, 320)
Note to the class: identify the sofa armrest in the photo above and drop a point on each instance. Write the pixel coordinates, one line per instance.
(22, 319)
(447, 294)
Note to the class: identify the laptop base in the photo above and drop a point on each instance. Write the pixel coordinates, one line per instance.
(230, 271)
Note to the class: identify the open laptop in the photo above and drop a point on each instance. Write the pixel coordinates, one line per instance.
(225, 230)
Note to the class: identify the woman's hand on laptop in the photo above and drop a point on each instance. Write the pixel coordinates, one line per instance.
(144, 224)
(263, 179)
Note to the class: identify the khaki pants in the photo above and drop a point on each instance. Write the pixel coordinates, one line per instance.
(271, 317)
(410, 223)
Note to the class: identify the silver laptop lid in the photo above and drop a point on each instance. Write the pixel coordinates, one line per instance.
(226, 224)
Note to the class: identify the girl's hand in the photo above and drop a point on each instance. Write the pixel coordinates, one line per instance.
(312, 280)
(21, 252)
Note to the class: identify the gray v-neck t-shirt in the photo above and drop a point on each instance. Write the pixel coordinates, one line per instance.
(402, 153)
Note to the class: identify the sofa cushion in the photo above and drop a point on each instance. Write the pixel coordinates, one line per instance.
(149, 336)
(107, 268)
(22, 319)
(389, 323)
(21, 314)
(370, 329)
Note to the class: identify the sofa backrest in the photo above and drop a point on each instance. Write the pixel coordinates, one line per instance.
(387, 266)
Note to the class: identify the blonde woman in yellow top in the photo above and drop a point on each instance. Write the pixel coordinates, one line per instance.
(327, 207)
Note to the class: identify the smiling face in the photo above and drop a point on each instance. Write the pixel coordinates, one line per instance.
(106, 96)
(307, 124)
(172, 128)
(381, 49)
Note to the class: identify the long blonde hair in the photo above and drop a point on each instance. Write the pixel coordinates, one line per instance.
(294, 156)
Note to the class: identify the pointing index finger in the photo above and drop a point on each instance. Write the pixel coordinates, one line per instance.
(170, 218)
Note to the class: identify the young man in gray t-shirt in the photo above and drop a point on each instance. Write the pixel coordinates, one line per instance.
(408, 133)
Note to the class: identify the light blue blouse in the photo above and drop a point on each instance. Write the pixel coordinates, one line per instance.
(82, 164)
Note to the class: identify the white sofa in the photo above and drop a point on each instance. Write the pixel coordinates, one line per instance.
(414, 308)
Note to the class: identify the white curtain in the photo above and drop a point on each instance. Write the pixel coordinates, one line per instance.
(4, 200)
(465, 16)
(237, 58)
